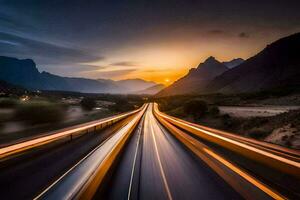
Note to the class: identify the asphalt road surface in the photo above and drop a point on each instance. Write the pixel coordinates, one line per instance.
(26, 175)
(156, 166)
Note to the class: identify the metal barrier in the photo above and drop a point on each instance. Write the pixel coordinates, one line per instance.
(61, 134)
(84, 178)
(276, 158)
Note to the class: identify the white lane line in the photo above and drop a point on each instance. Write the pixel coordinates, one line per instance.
(66, 173)
(134, 161)
(74, 166)
(237, 143)
(159, 162)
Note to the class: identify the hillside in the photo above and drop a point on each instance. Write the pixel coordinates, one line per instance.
(25, 73)
(278, 65)
(135, 85)
(152, 90)
(233, 63)
(197, 78)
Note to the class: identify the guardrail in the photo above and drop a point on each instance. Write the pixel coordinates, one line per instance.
(64, 133)
(286, 161)
(84, 178)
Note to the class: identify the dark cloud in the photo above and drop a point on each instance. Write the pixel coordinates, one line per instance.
(124, 64)
(244, 35)
(46, 53)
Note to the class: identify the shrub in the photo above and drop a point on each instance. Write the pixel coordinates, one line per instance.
(88, 103)
(8, 103)
(39, 112)
(214, 111)
(258, 133)
(177, 112)
(195, 108)
(227, 120)
(121, 105)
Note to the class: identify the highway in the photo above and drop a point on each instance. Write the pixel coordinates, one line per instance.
(31, 172)
(163, 169)
(149, 155)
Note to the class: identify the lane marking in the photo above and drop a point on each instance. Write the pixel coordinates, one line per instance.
(159, 162)
(134, 161)
(244, 175)
(79, 162)
(199, 149)
(28, 144)
(262, 152)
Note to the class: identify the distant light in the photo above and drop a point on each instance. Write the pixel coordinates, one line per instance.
(24, 98)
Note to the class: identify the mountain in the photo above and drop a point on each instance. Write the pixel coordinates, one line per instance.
(278, 65)
(135, 85)
(233, 63)
(24, 73)
(197, 78)
(152, 90)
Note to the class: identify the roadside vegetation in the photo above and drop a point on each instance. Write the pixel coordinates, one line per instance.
(39, 112)
(282, 129)
(32, 113)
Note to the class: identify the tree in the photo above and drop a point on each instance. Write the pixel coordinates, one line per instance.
(195, 108)
(121, 105)
(88, 103)
(40, 112)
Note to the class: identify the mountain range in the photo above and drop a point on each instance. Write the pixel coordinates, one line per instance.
(152, 90)
(25, 73)
(278, 65)
(197, 78)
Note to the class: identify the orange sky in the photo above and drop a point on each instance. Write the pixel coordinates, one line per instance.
(166, 61)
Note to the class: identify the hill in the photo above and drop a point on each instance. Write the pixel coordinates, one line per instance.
(276, 66)
(24, 73)
(197, 78)
(135, 85)
(152, 90)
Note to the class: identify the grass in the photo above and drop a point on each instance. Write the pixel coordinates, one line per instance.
(254, 127)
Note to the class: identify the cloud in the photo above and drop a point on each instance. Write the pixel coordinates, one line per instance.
(244, 35)
(123, 64)
(156, 70)
(216, 32)
(13, 23)
(43, 52)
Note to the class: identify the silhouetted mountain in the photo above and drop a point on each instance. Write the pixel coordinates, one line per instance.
(233, 63)
(197, 78)
(19, 72)
(278, 65)
(25, 73)
(152, 90)
(135, 85)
